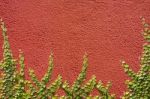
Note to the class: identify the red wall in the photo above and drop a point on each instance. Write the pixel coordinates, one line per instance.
(108, 30)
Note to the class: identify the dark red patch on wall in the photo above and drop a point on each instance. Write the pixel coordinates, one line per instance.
(108, 30)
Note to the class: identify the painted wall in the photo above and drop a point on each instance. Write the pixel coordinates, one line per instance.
(108, 30)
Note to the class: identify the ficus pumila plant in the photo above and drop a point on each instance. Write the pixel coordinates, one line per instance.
(79, 90)
(44, 92)
(13, 84)
(8, 77)
(139, 84)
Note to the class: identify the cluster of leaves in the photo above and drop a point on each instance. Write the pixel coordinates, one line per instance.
(13, 84)
(139, 85)
(80, 91)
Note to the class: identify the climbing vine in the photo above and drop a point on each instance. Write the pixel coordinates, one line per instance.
(139, 85)
(13, 84)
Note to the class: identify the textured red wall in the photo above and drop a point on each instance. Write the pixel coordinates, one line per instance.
(108, 30)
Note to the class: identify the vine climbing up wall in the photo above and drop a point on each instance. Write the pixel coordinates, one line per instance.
(13, 84)
(108, 30)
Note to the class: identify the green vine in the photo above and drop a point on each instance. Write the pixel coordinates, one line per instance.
(8, 66)
(42, 91)
(80, 91)
(13, 84)
(139, 85)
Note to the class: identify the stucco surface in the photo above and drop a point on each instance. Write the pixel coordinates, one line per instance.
(108, 30)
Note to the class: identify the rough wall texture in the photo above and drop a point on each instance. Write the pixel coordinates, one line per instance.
(108, 30)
